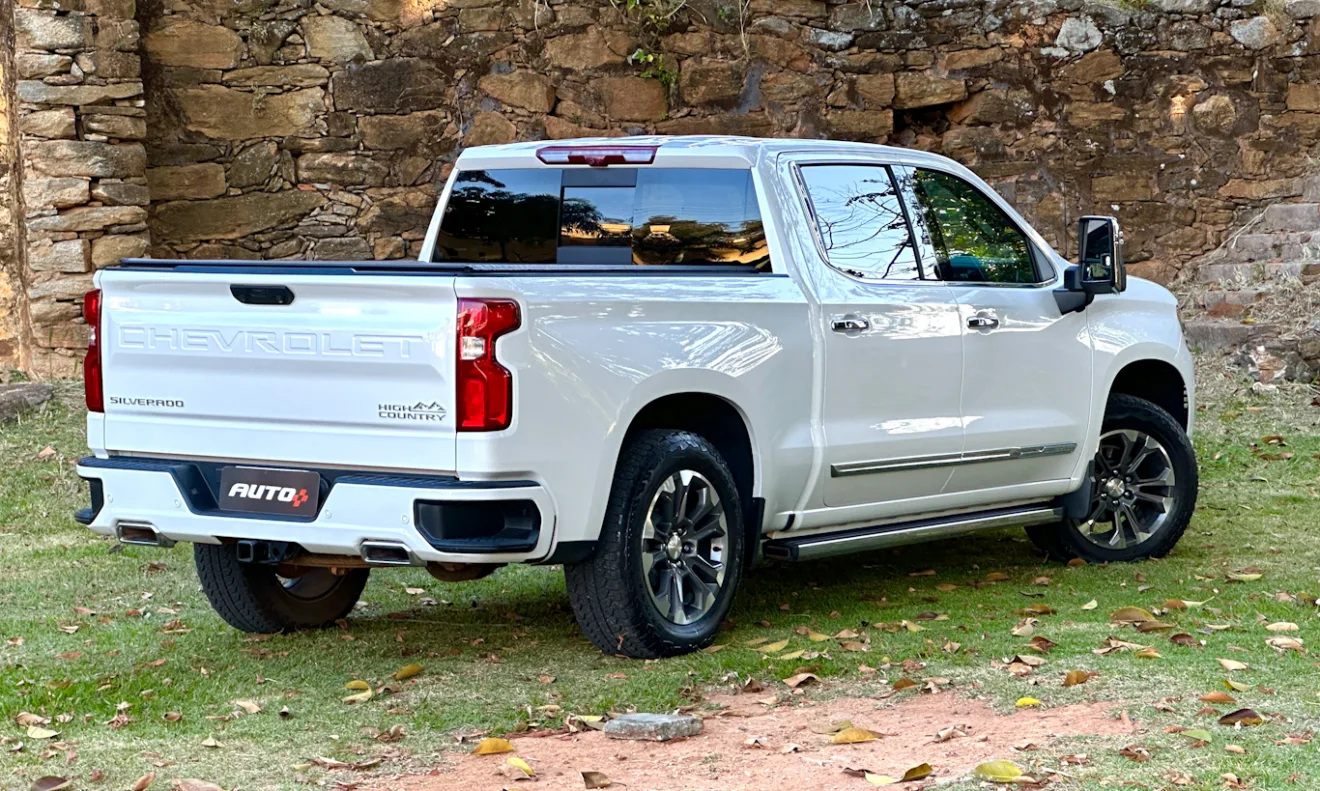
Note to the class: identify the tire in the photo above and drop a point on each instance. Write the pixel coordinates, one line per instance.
(613, 592)
(1126, 416)
(252, 597)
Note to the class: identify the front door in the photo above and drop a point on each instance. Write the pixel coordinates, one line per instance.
(893, 345)
(1026, 387)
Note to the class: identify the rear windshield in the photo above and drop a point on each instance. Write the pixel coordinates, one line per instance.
(598, 216)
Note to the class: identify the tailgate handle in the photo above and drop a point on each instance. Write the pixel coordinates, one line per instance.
(262, 295)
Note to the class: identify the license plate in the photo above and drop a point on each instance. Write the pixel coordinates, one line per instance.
(265, 491)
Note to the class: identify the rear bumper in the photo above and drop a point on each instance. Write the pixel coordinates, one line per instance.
(177, 498)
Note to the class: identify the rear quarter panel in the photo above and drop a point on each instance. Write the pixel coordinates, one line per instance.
(593, 351)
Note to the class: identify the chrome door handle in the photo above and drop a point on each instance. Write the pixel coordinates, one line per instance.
(850, 324)
(983, 322)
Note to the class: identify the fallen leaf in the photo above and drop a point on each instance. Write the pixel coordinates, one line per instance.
(595, 780)
(47, 453)
(1235, 749)
(918, 772)
(1026, 702)
(1184, 639)
(171, 716)
(1242, 717)
(1236, 686)
(1091, 605)
(144, 781)
(26, 718)
(1147, 653)
(1283, 626)
(832, 728)
(854, 735)
(357, 684)
(191, 784)
(250, 706)
(49, 782)
(773, 648)
(521, 765)
(1075, 677)
(407, 671)
(38, 732)
(210, 742)
(1232, 665)
(1242, 577)
(1285, 643)
(1217, 697)
(1130, 615)
(1198, 734)
(902, 684)
(998, 771)
(1154, 626)
(996, 576)
(492, 746)
(794, 682)
(879, 780)
(360, 697)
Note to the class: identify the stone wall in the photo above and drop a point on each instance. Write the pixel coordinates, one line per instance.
(295, 128)
(78, 108)
(10, 219)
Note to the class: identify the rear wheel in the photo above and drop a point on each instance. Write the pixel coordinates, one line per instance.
(669, 557)
(1143, 489)
(255, 597)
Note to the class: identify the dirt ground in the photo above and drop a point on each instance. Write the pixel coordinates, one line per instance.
(722, 757)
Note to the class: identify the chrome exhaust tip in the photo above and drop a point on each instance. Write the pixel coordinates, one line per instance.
(387, 553)
(143, 534)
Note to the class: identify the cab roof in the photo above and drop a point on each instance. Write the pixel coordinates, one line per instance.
(717, 151)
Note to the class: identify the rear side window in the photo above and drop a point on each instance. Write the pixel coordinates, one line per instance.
(604, 216)
(861, 222)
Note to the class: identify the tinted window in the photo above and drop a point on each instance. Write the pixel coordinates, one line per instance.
(501, 216)
(655, 217)
(973, 239)
(861, 221)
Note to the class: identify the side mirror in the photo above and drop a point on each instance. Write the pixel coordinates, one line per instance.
(1100, 255)
(1100, 268)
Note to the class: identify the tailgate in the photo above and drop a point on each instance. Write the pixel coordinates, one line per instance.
(357, 371)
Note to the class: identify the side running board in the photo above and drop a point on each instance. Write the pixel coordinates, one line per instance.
(824, 545)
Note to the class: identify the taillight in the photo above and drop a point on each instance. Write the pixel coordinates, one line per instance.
(92, 386)
(484, 387)
(596, 156)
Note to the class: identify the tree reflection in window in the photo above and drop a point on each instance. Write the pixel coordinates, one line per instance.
(501, 216)
(672, 216)
(695, 217)
(973, 239)
(861, 221)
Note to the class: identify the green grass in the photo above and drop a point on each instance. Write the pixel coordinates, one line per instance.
(490, 648)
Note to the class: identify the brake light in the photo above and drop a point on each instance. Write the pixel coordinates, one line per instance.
(92, 385)
(484, 387)
(597, 156)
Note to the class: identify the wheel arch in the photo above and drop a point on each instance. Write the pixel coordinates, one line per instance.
(1156, 381)
(721, 422)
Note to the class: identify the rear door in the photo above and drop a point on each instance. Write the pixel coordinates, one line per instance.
(1026, 388)
(355, 371)
(893, 345)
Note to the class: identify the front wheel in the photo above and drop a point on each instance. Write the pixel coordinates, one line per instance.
(1143, 490)
(254, 597)
(669, 557)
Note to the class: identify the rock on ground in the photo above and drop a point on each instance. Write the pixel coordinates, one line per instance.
(653, 727)
(23, 397)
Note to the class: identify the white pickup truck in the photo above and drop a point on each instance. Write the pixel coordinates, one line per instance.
(650, 360)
